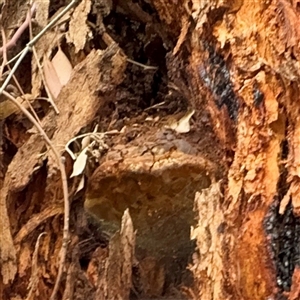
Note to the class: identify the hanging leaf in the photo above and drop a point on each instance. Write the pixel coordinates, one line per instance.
(62, 67)
(51, 78)
(85, 141)
(79, 164)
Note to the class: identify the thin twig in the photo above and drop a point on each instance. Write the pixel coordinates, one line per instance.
(95, 135)
(141, 65)
(14, 77)
(50, 99)
(4, 51)
(158, 105)
(63, 251)
(33, 41)
(15, 57)
(20, 30)
(4, 63)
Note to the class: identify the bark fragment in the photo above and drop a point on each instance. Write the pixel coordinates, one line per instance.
(116, 282)
(207, 264)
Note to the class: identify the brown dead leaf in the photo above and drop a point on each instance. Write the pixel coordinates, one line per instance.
(48, 41)
(62, 66)
(51, 78)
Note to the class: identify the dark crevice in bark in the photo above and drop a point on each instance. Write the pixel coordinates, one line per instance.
(284, 238)
(216, 76)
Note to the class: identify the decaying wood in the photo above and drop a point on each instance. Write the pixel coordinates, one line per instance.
(236, 64)
(88, 79)
(146, 179)
(34, 279)
(207, 261)
(116, 282)
(259, 45)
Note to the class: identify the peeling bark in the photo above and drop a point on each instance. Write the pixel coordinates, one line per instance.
(236, 63)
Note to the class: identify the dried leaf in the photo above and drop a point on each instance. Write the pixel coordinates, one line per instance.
(41, 47)
(62, 67)
(51, 78)
(183, 125)
(79, 164)
(85, 141)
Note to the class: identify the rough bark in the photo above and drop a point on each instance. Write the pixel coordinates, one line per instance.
(236, 64)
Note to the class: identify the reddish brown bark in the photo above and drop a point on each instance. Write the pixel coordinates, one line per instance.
(236, 63)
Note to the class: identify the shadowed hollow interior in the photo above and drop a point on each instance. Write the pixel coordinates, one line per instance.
(160, 204)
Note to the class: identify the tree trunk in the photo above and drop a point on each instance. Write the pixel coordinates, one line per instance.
(189, 185)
